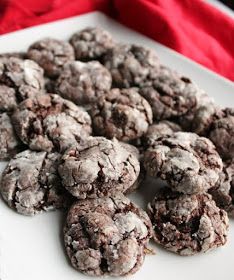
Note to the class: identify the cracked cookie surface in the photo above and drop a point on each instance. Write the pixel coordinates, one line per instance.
(100, 167)
(30, 183)
(51, 54)
(83, 82)
(91, 43)
(130, 65)
(49, 122)
(107, 236)
(189, 163)
(187, 224)
(121, 113)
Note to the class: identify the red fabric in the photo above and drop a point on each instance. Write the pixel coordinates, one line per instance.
(191, 27)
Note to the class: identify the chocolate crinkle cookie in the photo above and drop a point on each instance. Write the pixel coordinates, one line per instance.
(48, 122)
(187, 224)
(15, 72)
(131, 65)
(51, 54)
(121, 113)
(100, 167)
(223, 191)
(30, 183)
(171, 96)
(189, 163)
(91, 43)
(9, 142)
(107, 236)
(158, 130)
(82, 82)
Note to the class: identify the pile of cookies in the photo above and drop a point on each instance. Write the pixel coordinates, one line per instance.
(84, 122)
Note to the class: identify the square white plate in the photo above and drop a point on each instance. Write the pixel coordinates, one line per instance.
(32, 248)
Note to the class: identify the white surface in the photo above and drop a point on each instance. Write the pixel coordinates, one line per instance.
(219, 5)
(32, 248)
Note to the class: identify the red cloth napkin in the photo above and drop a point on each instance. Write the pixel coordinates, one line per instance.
(191, 27)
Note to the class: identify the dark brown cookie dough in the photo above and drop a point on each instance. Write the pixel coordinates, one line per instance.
(49, 122)
(107, 236)
(91, 43)
(158, 130)
(189, 163)
(51, 54)
(82, 82)
(221, 133)
(30, 183)
(15, 72)
(121, 113)
(131, 65)
(171, 96)
(9, 142)
(188, 224)
(100, 167)
(223, 191)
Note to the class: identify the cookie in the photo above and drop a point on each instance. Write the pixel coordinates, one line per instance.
(51, 54)
(188, 163)
(223, 191)
(130, 65)
(91, 43)
(107, 236)
(50, 123)
(82, 82)
(170, 96)
(9, 142)
(221, 133)
(121, 113)
(100, 167)
(188, 224)
(158, 130)
(30, 183)
(15, 72)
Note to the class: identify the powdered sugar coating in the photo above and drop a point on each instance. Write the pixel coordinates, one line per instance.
(15, 72)
(188, 224)
(9, 142)
(121, 113)
(8, 100)
(30, 183)
(131, 65)
(100, 167)
(221, 133)
(189, 163)
(49, 122)
(82, 82)
(51, 54)
(91, 43)
(106, 236)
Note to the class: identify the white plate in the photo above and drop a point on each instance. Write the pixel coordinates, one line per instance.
(32, 248)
